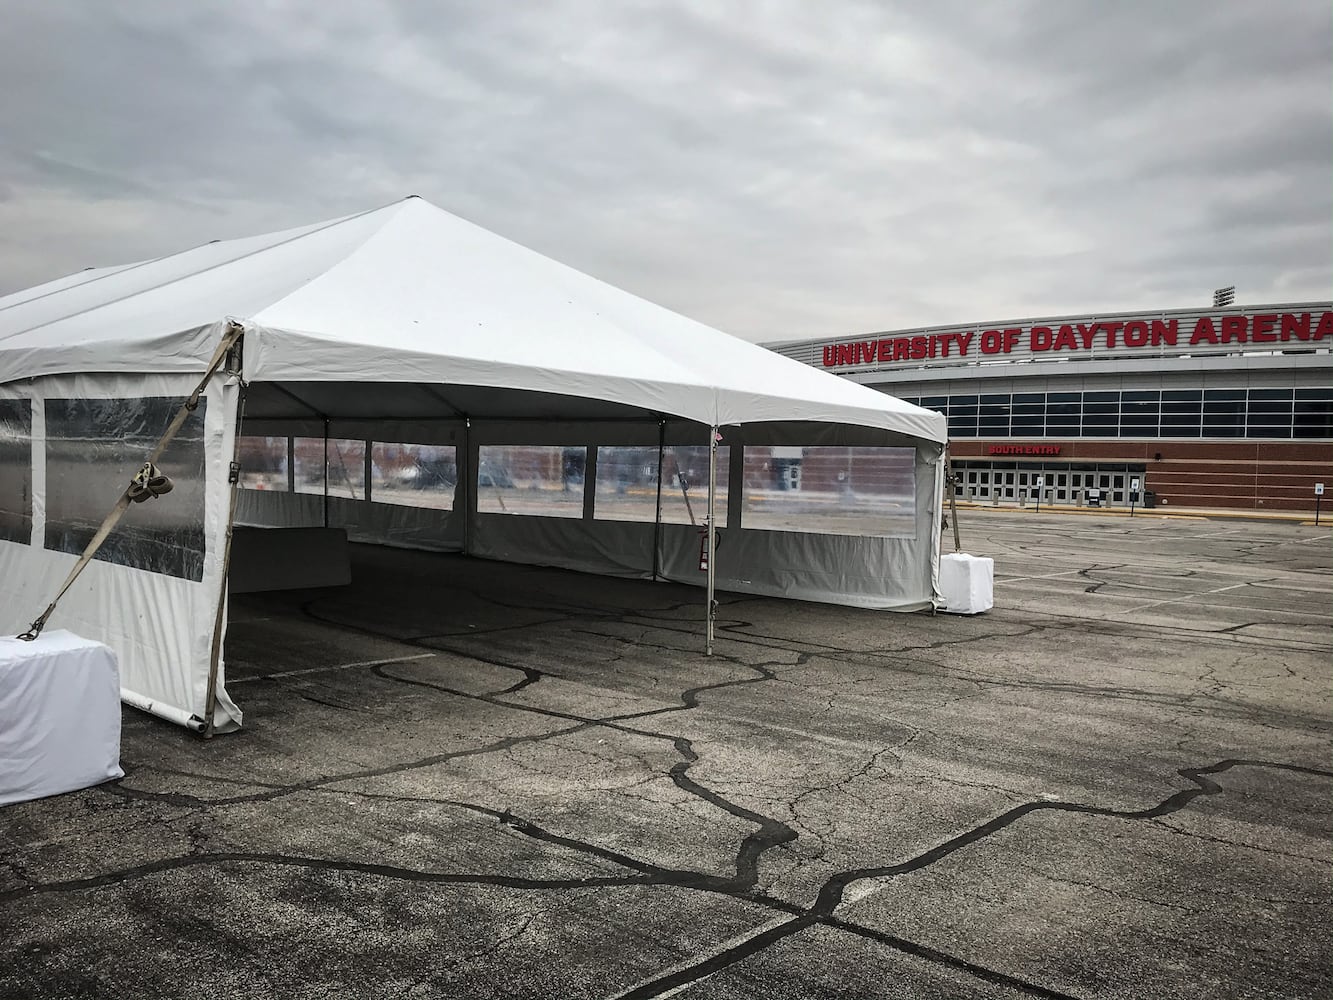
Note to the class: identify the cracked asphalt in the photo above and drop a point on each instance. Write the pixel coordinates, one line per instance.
(468, 779)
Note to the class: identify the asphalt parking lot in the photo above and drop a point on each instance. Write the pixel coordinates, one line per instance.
(466, 779)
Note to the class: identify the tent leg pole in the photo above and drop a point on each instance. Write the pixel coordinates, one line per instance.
(712, 538)
(657, 519)
(215, 652)
(466, 477)
(326, 472)
(950, 486)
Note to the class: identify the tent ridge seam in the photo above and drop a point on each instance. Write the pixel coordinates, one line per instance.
(341, 260)
(184, 277)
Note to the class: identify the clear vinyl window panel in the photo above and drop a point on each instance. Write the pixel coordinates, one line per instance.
(626, 486)
(335, 464)
(15, 471)
(263, 463)
(531, 480)
(308, 465)
(831, 491)
(346, 468)
(685, 484)
(414, 475)
(93, 448)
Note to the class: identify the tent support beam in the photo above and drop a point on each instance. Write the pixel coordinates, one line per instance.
(427, 419)
(439, 397)
(296, 399)
(711, 539)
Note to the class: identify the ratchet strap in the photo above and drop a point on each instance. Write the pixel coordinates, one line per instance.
(147, 483)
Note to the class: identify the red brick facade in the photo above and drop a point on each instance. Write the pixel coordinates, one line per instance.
(1253, 475)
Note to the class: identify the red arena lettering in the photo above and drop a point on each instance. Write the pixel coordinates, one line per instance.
(1204, 332)
(1118, 335)
(1235, 328)
(1136, 333)
(1295, 325)
(1165, 332)
(1065, 339)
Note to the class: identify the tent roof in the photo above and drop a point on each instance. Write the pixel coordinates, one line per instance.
(411, 294)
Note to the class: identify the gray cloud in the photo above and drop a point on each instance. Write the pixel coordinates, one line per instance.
(776, 169)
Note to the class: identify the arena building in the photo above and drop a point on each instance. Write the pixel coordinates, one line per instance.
(1223, 407)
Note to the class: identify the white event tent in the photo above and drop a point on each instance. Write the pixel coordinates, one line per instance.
(408, 328)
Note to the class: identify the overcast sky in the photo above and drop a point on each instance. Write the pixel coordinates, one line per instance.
(777, 169)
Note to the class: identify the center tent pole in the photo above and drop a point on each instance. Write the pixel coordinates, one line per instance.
(657, 517)
(466, 474)
(326, 472)
(712, 537)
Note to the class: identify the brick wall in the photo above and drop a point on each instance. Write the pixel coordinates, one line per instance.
(1253, 475)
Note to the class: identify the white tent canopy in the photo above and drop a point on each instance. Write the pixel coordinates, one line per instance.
(400, 324)
(369, 297)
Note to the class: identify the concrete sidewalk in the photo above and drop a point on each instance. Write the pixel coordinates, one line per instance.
(1233, 513)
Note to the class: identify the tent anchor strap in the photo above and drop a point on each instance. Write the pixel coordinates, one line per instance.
(146, 484)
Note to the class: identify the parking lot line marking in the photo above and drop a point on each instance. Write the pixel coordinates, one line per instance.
(717, 949)
(1179, 600)
(320, 670)
(1000, 577)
